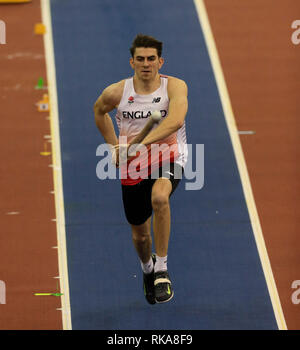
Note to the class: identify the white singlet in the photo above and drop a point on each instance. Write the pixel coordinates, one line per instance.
(132, 115)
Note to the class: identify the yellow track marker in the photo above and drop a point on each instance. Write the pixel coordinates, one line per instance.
(45, 152)
(13, 1)
(48, 294)
(43, 105)
(39, 28)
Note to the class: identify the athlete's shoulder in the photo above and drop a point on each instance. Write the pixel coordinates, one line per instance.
(175, 81)
(112, 94)
(176, 85)
(110, 97)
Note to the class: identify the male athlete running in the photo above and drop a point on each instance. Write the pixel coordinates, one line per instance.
(135, 98)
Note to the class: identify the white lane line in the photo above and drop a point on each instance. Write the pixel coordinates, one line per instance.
(246, 132)
(231, 125)
(57, 169)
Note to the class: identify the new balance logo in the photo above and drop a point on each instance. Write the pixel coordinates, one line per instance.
(156, 99)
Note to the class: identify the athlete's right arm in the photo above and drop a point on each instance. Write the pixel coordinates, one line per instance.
(106, 102)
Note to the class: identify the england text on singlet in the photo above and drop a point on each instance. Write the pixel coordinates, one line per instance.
(132, 115)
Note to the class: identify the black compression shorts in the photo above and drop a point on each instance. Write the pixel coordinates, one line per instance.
(137, 198)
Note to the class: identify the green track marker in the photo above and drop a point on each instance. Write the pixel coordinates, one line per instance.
(40, 84)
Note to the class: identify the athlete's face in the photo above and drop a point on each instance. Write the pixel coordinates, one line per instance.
(146, 63)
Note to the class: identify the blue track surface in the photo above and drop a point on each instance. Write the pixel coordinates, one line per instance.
(213, 260)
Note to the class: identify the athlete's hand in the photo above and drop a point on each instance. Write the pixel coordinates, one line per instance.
(120, 154)
(115, 155)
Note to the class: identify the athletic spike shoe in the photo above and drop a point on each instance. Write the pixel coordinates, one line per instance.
(162, 287)
(148, 284)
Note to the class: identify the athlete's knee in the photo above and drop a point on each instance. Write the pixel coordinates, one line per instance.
(140, 237)
(140, 233)
(159, 201)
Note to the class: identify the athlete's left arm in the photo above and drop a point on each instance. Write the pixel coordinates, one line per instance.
(178, 106)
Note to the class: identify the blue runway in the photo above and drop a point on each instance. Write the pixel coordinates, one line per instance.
(213, 259)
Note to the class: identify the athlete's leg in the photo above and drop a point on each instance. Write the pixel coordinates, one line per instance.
(161, 191)
(141, 237)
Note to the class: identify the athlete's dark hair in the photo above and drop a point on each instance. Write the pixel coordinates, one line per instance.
(142, 40)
